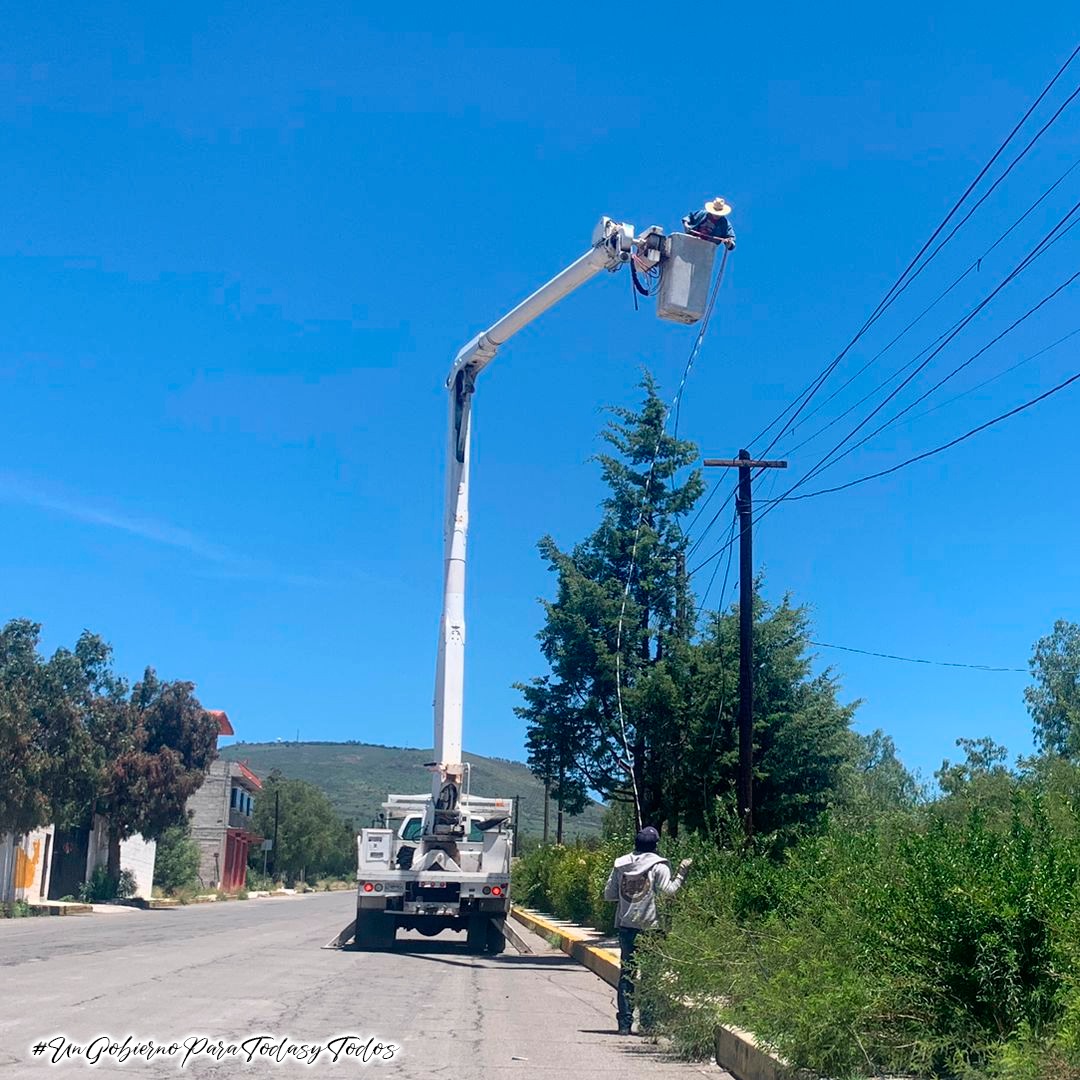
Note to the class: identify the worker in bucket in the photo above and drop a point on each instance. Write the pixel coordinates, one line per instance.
(711, 223)
(636, 880)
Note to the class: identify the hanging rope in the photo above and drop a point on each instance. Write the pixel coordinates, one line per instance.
(676, 402)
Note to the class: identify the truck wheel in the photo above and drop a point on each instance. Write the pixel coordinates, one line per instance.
(374, 930)
(476, 933)
(496, 939)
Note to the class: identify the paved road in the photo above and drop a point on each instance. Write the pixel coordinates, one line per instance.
(237, 970)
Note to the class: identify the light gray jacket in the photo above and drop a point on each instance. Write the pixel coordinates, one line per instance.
(635, 881)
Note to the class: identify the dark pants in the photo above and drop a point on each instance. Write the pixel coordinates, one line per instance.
(627, 975)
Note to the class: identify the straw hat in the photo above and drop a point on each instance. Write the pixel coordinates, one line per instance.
(718, 207)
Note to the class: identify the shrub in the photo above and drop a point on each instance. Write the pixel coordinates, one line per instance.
(176, 863)
(100, 888)
(938, 948)
(257, 881)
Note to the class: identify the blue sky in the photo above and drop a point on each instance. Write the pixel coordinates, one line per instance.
(241, 249)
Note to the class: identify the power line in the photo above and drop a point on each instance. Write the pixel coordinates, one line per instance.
(915, 660)
(937, 345)
(727, 571)
(823, 462)
(974, 265)
(899, 285)
(994, 378)
(896, 289)
(895, 468)
(712, 521)
(955, 371)
(937, 449)
(990, 190)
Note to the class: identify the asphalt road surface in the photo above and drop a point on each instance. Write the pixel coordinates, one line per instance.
(233, 972)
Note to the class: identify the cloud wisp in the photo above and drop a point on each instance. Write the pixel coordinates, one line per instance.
(233, 565)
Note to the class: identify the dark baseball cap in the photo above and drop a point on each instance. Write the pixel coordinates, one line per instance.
(646, 838)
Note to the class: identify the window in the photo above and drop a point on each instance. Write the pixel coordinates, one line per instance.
(413, 829)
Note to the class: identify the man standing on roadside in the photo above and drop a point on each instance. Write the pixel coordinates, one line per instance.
(635, 881)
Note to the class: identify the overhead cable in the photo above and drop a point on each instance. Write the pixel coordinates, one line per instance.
(938, 449)
(914, 660)
(899, 285)
(1047, 239)
(975, 264)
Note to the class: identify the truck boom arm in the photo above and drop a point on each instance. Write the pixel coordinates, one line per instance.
(612, 246)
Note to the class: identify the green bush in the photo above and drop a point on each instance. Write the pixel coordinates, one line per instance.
(257, 881)
(100, 888)
(176, 863)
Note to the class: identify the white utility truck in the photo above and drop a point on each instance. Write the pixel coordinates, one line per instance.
(443, 859)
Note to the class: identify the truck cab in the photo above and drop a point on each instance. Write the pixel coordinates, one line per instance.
(410, 832)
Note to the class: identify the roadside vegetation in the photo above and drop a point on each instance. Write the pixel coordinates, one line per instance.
(935, 940)
(874, 925)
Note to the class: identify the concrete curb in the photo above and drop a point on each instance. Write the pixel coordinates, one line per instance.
(575, 941)
(53, 907)
(739, 1052)
(735, 1050)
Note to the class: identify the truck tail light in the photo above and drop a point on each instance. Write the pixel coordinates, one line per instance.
(368, 887)
(487, 890)
(496, 890)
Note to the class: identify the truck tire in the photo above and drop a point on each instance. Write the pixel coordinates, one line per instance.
(374, 930)
(496, 939)
(476, 933)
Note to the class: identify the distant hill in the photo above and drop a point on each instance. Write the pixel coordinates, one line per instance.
(357, 777)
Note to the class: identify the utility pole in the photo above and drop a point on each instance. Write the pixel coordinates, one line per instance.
(744, 507)
(277, 808)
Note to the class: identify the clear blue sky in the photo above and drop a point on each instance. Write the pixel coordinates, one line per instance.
(240, 249)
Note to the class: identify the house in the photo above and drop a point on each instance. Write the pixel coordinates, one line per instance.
(24, 865)
(220, 813)
(52, 862)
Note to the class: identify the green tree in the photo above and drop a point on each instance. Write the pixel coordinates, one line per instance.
(556, 731)
(155, 748)
(47, 770)
(311, 839)
(802, 733)
(646, 700)
(1054, 699)
(983, 781)
(875, 780)
(621, 604)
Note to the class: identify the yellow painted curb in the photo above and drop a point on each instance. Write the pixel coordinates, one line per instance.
(575, 942)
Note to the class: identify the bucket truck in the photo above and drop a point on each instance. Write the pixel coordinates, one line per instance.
(443, 859)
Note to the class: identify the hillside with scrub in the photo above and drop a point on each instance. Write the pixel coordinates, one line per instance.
(356, 778)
